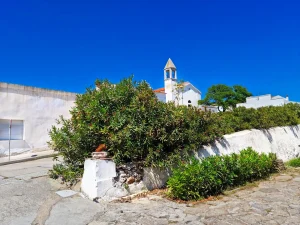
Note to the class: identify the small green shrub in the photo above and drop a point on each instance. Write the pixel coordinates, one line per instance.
(294, 162)
(213, 175)
(68, 174)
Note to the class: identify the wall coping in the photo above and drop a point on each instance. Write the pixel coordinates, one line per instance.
(35, 91)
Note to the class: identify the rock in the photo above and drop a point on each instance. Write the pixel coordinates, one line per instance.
(77, 187)
(155, 198)
(130, 180)
(297, 179)
(122, 180)
(262, 209)
(66, 193)
(216, 213)
(234, 210)
(135, 187)
(163, 215)
(268, 190)
(279, 165)
(292, 206)
(192, 211)
(283, 178)
(175, 219)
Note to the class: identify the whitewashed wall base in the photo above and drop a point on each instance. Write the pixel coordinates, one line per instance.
(98, 178)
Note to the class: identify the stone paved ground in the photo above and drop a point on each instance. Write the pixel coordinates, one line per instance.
(272, 202)
(31, 199)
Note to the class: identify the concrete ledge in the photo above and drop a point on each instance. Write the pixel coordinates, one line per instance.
(28, 159)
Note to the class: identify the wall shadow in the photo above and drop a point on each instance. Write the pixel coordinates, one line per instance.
(203, 153)
(268, 135)
(294, 129)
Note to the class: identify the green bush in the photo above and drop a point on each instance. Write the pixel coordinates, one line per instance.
(137, 127)
(213, 175)
(294, 162)
(134, 125)
(68, 174)
(262, 118)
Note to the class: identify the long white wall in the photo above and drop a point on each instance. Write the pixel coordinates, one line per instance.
(38, 108)
(263, 101)
(284, 141)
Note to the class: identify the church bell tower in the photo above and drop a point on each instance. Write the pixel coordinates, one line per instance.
(170, 75)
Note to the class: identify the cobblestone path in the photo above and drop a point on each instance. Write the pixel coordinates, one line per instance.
(28, 197)
(272, 202)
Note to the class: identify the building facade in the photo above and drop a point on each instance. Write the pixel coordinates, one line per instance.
(181, 93)
(264, 100)
(27, 114)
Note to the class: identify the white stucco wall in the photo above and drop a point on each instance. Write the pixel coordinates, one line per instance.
(190, 94)
(263, 100)
(170, 89)
(210, 108)
(182, 98)
(284, 141)
(161, 97)
(38, 108)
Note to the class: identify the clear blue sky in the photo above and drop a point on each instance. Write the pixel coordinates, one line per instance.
(66, 45)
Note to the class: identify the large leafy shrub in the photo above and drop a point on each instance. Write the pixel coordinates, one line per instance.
(134, 125)
(213, 175)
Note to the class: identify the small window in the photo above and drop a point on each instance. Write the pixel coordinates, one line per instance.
(189, 103)
(168, 74)
(12, 130)
(173, 74)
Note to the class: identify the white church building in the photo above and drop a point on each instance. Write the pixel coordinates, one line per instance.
(181, 93)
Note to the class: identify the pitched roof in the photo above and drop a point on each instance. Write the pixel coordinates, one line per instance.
(184, 84)
(170, 64)
(160, 90)
(188, 83)
(277, 97)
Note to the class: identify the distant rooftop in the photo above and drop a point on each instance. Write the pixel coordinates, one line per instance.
(267, 95)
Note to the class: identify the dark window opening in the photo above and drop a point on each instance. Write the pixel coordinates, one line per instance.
(168, 74)
(173, 74)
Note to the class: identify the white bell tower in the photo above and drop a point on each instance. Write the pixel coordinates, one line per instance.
(170, 74)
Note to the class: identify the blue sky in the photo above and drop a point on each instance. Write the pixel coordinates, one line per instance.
(66, 45)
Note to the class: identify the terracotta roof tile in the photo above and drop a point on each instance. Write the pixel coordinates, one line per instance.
(160, 90)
